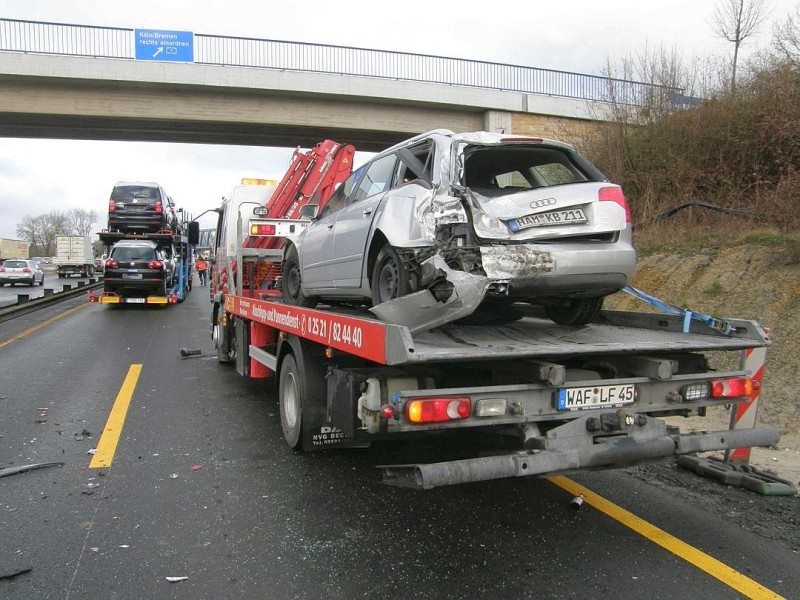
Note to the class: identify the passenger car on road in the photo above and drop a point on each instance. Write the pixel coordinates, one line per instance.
(26, 272)
(138, 267)
(141, 207)
(473, 219)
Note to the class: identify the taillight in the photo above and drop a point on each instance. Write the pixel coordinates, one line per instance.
(436, 410)
(155, 264)
(2, 270)
(614, 194)
(112, 206)
(262, 229)
(111, 264)
(159, 207)
(26, 270)
(733, 387)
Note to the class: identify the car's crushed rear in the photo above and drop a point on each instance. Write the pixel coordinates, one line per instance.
(528, 220)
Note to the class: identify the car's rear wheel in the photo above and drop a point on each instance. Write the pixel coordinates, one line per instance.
(291, 284)
(389, 278)
(578, 311)
(41, 283)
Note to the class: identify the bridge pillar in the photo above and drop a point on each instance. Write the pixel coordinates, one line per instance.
(497, 121)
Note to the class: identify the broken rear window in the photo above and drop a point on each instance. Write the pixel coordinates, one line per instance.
(521, 167)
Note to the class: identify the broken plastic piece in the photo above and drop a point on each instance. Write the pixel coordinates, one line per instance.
(187, 352)
(92, 451)
(577, 501)
(176, 579)
(196, 467)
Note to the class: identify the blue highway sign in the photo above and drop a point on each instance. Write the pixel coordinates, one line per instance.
(173, 46)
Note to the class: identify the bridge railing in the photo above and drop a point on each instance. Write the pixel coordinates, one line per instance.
(113, 42)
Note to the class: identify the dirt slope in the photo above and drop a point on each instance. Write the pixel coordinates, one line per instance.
(754, 281)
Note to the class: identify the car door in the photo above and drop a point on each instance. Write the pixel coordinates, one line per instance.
(353, 224)
(315, 245)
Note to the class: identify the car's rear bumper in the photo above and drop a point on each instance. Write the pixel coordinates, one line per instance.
(136, 222)
(573, 270)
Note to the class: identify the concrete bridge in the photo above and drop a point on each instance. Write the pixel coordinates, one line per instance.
(82, 82)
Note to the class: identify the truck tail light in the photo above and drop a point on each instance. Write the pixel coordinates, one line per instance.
(159, 208)
(111, 264)
(112, 206)
(262, 229)
(732, 387)
(614, 194)
(155, 264)
(436, 410)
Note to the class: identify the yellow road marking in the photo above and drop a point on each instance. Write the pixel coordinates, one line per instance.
(116, 419)
(29, 331)
(701, 560)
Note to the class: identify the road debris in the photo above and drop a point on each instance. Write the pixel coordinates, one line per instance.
(83, 435)
(196, 467)
(176, 579)
(24, 468)
(15, 574)
(577, 501)
(92, 451)
(185, 352)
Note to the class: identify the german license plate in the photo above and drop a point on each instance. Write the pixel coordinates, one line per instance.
(595, 396)
(569, 216)
(136, 301)
(131, 275)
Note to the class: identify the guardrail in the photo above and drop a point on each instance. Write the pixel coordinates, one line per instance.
(119, 43)
(26, 304)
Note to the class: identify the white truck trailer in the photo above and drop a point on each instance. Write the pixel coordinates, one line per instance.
(74, 256)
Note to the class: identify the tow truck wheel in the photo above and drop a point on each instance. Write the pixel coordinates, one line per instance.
(290, 398)
(225, 342)
(292, 291)
(389, 277)
(578, 311)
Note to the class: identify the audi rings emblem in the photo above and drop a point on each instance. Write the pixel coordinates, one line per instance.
(543, 202)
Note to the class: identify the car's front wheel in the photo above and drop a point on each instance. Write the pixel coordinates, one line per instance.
(389, 277)
(578, 311)
(291, 285)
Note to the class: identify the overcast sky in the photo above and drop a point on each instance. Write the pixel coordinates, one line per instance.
(37, 176)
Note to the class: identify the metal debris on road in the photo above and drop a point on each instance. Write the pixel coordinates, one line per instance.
(176, 579)
(16, 574)
(24, 468)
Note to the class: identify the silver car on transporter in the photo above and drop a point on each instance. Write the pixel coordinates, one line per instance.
(437, 226)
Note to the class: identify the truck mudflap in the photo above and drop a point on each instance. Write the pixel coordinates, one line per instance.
(614, 452)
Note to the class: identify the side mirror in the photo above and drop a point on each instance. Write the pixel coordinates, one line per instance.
(194, 233)
(308, 211)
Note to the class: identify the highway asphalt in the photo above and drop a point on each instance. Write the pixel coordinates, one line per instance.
(203, 488)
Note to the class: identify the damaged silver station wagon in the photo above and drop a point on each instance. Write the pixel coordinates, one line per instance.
(446, 226)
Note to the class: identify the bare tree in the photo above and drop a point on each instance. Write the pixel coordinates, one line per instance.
(786, 38)
(41, 231)
(81, 221)
(736, 21)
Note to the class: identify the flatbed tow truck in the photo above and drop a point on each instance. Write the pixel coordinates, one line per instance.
(562, 399)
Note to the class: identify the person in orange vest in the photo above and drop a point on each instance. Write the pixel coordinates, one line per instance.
(201, 266)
